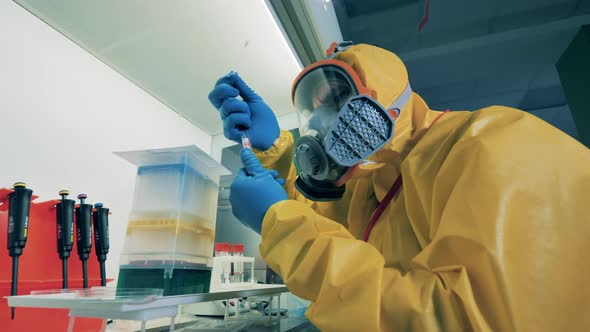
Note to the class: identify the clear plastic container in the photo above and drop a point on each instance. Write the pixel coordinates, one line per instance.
(172, 222)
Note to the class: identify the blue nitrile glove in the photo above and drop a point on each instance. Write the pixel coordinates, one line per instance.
(254, 191)
(250, 113)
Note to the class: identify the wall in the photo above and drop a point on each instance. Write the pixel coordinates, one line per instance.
(559, 117)
(574, 73)
(63, 112)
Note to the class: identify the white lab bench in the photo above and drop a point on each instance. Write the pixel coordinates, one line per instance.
(142, 310)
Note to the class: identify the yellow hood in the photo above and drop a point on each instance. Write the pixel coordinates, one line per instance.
(385, 75)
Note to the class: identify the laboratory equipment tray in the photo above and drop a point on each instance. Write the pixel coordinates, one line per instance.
(146, 308)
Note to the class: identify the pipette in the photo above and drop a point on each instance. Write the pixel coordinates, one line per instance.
(19, 205)
(101, 238)
(246, 141)
(84, 234)
(65, 232)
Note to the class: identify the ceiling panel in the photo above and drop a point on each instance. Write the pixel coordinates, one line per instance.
(393, 21)
(543, 97)
(508, 7)
(358, 8)
(490, 56)
(452, 13)
(449, 21)
(559, 117)
(582, 7)
(176, 50)
(533, 16)
(546, 77)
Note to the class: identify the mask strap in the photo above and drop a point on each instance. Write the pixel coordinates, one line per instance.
(336, 48)
(398, 104)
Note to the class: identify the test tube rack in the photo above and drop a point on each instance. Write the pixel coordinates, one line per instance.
(230, 263)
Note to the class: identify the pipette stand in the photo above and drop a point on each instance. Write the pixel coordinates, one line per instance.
(40, 269)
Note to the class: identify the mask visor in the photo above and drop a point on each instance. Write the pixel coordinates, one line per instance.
(319, 95)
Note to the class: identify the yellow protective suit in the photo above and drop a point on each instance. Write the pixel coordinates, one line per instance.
(490, 231)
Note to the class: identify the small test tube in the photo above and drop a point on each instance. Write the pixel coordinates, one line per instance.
(246, 141)
(223, 250)
(232, 275)
(239, 252)
(227, 267)
(219, 253)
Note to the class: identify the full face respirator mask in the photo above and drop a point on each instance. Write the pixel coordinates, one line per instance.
(340, 125)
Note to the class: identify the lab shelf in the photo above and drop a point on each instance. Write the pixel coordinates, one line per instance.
(136, 309)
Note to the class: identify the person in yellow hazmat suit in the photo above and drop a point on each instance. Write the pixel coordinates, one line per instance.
(407, 219)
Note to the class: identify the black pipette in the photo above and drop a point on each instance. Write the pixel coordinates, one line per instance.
(65, 232)
(84, 234)
(19, 205)
(101, 238)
